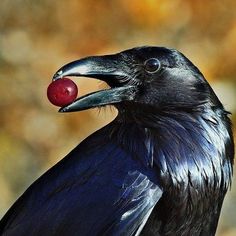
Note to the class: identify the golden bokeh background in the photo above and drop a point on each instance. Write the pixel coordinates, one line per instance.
(38, 37)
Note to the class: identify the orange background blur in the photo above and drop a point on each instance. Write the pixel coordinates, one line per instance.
(38, 37)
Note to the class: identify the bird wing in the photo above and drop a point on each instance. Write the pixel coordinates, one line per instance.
(98, 189)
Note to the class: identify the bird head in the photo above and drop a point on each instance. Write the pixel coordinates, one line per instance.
(143, 78)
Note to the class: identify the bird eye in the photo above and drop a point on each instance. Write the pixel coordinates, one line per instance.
(152, 65)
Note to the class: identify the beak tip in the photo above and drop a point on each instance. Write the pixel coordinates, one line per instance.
(57, 75)
(62, 110)
(65, 109)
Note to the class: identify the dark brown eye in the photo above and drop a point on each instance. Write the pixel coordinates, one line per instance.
(152, 65)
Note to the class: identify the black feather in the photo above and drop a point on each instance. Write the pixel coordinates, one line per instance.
(162, 167)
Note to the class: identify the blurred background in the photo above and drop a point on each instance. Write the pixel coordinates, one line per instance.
(38, 37)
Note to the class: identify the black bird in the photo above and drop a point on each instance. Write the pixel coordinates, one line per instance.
(162, 167)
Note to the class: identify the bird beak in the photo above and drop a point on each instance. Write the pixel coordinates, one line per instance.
(107, 68)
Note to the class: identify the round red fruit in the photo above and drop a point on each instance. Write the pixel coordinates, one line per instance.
(62, 92)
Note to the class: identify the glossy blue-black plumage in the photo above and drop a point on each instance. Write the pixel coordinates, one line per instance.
(162, 167)
(99, 187)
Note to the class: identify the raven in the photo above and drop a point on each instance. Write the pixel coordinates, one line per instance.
(161, 167)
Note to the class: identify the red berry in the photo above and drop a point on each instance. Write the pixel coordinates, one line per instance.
(62, 92)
